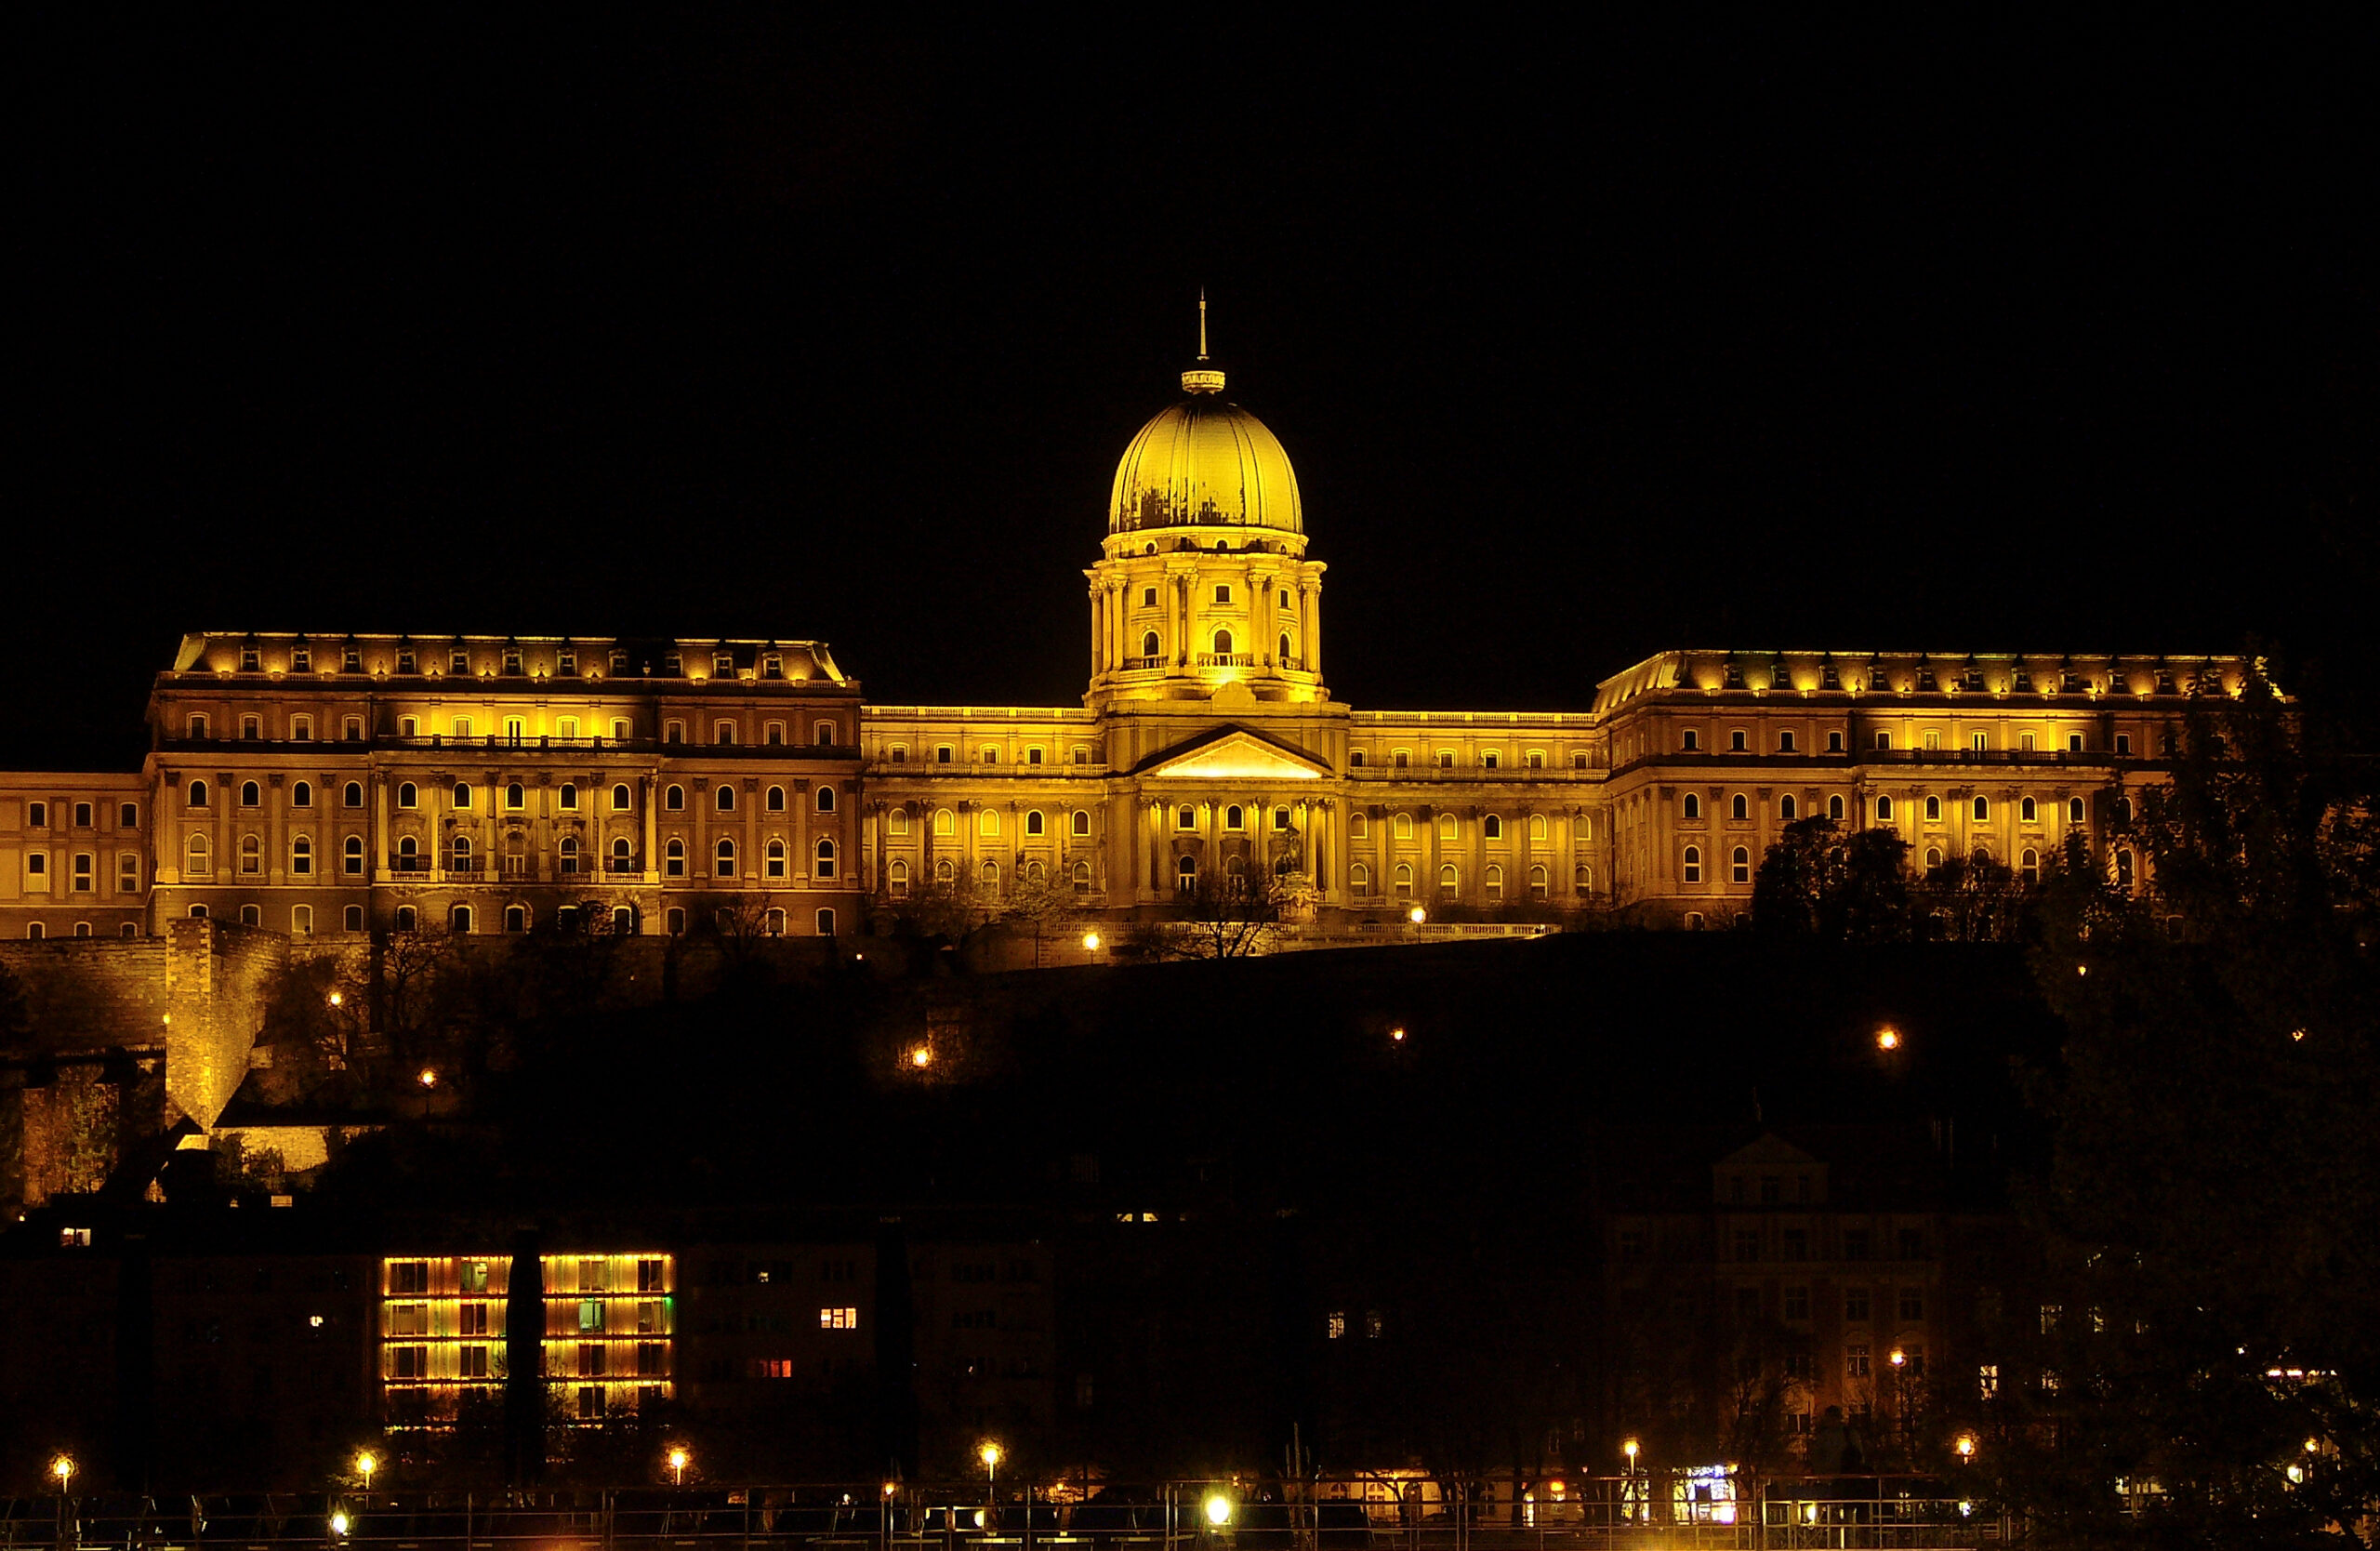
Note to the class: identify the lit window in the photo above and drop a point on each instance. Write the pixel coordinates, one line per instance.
(839, 1318)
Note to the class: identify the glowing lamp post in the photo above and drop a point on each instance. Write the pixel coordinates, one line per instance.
(1416, 915)
(1090, 942)
(1218, 1510)
(61, 1469)
(678, 1460)
(1888, 1038)
(1633, 1499)
(920, 1057)
(366, 1463)
(990, 1454)
(1964, 1445)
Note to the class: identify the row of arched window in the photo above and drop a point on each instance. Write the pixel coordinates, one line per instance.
(1491, 881)
(898, 882)
(464, 919)
(988, 823)
(1491, 826)
(198, 857)
(514, 797)
(1789, 808)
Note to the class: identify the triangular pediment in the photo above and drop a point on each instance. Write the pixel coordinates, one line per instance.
(1770, 1149)
(1235, 754)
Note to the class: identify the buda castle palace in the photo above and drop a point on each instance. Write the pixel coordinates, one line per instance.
(316, 785)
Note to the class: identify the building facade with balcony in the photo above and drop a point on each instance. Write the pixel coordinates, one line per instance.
(1208, 745)
(321, 784)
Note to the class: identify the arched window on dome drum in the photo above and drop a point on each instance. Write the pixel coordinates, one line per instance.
(1222, 644)
(1150, 647)
(1286, 656)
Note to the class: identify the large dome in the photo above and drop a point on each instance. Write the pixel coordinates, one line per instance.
(1205, 462)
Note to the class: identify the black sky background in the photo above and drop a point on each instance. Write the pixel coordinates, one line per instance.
(1586, 342)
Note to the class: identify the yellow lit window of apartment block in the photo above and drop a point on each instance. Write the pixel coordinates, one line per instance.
(435, 1355)
(839, 1318)
(609, 1321)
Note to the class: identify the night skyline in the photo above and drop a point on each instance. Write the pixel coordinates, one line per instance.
(1584, 347)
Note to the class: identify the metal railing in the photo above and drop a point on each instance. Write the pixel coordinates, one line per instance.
(1402, 1512)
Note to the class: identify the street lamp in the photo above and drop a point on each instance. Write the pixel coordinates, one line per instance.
(365, 1465)
(1416, 915)
(920, 1056)
(1218, 1509)
(338, 1521)
(62, 1466)
(678, 1460)
(1887, 1039)
(990, 1454)
(1964, 1444)
(1090, 942)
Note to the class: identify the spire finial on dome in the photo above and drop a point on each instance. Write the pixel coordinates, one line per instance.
(1205, 379)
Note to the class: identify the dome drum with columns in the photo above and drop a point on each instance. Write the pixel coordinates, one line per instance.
(1203, 590)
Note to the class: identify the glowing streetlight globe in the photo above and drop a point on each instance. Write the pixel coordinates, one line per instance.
(678, 1460)
(63, 1468)
(365, 1465)
(990, 1454)
(429, 1078)
(920, 1057)
(1899, 1358)
(1218, 1510)
(1888, 1037)
(1416, 915)
(1965, 1446)
(338, 998)
(339, 1522)
(1629, 1448)
(1090, 941)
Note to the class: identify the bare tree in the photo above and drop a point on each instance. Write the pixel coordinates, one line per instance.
(1234, 915)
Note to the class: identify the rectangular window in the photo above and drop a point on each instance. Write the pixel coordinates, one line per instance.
(128, 816)
(2074, 743)
(1854, 1305)
(2124, 743)
(1854, 1362)
(844, 1319)
(1884, 740)
(473, 1364)
(127, 873)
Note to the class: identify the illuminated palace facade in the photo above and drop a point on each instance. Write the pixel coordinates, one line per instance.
(329, 784)
(1208, 744)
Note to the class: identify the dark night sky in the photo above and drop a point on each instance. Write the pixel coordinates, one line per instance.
(1585, 344)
